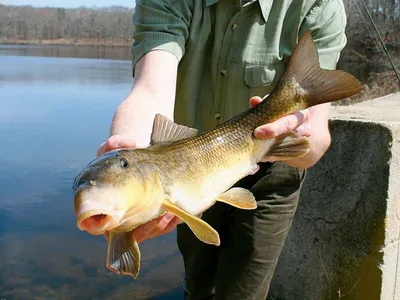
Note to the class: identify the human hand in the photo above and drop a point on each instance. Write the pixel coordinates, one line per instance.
(161, 225)
(156, 227)
(299, 122)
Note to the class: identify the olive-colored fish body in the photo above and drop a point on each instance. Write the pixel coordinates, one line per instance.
(185, 173)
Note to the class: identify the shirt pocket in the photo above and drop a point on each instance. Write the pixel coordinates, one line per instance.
(261, 79)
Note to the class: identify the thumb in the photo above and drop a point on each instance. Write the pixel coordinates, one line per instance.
(116, 142)
(255, 100)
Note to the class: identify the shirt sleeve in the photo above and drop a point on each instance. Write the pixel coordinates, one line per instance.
(160, 25)
(327, 23)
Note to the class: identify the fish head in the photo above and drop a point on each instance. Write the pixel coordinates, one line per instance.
(111, 186)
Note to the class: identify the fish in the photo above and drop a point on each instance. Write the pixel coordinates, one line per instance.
(185, 172)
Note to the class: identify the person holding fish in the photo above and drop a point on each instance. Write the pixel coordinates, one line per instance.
(203, 64)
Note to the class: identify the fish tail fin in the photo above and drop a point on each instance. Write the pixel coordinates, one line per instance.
(312, 84)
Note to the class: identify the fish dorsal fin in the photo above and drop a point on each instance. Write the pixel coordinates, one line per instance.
(201, 229)
(164, 130)
(123, 254)
(238, 197)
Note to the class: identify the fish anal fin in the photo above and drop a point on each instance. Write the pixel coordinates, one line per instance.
(311, 83)
(201, 229)
(239, 198)
(288, 146)
(164, 131)
(123, 254)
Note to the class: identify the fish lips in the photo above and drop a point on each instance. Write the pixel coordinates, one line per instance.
(97, 222)
(95, 211)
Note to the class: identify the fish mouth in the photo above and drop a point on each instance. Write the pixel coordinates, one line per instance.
(97, 222)
(95, 211)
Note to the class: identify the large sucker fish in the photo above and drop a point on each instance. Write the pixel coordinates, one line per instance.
(184, 172)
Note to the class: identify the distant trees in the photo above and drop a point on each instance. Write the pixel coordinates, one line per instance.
(364, 54)
(364, 48)
(109, 25)
(385, 13)
(113, 24)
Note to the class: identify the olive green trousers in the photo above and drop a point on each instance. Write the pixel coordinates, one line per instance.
(241, 268)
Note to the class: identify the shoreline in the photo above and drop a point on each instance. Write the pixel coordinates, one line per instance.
(65, 42)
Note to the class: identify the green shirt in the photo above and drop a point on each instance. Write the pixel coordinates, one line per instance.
(228, 52)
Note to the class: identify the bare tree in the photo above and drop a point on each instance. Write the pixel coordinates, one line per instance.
(108, 25)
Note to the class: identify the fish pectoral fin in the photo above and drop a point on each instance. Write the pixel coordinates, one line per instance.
(123, 254)
(201, 229)
(238, 197)
(288, 146)
(164, 130)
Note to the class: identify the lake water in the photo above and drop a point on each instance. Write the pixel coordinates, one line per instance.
(56, 107)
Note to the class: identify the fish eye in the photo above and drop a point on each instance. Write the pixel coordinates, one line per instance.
(124, 162)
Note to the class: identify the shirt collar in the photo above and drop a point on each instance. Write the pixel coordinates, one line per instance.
(265, 6)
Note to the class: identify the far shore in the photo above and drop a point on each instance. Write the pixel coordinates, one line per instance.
(66, 42)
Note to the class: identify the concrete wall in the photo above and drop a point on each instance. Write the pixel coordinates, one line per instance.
(344, 243)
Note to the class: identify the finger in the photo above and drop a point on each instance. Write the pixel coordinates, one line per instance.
(172, 225)
(119, 141)
(161, 225)
(152, 228)
(142, 232)
(116, 142)
(167, 229)
(304, 129)
(254, 101)
(101, 149)
(283, 125)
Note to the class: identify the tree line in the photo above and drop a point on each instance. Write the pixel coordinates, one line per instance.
(114, 25)
(385, 15)
(364, 54)
(108, 25)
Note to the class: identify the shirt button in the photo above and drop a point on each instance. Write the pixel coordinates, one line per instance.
(217, 116)
(223, 72)
(234, 26)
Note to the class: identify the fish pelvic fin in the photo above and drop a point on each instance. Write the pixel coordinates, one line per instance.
(239, 198)
(287, 146)
(123, 254)
(166, 131)
(311, 84)
(201, 229)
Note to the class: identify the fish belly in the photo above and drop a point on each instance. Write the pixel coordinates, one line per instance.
(196, 194)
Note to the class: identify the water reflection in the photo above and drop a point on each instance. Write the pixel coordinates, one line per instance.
(55, 112)
(63, 71)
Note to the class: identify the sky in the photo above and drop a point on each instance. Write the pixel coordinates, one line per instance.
(69, 3)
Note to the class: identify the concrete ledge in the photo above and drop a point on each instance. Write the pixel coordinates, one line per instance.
(345, 238)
